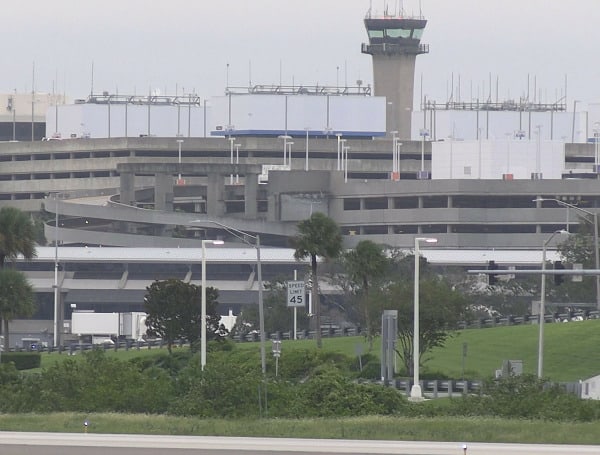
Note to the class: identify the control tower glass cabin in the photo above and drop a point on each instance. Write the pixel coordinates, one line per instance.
(394, 43)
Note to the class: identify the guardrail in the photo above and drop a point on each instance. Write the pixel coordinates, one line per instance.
(437, 388)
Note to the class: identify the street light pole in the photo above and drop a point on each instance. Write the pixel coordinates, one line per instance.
(345, 158)
(179, 142)
(424, 133)
(594, 221)
(306, 160)
(596, 140)
(203, 307)
(415, 391)
(542, 320)
(339, 142)
(237, 161)
(241, 235)
(285, 137)
(231, 142)
(289, 162)
(394, 141)
(56, 267)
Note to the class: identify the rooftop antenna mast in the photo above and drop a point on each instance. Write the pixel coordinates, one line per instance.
(92, 85)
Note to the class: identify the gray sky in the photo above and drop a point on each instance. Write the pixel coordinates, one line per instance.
(137, 45)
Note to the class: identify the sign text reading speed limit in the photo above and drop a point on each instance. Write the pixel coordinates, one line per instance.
(295, 293)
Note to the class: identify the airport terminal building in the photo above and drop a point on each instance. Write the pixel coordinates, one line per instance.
(162, 173)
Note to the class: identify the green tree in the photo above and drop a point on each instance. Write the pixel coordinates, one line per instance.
(576, 248)
(17, 235)
(317, 236)
(16, 298)
(366, 265)
(174, 311)
(440, 308)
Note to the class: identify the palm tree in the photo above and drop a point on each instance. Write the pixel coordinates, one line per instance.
(364, 265)
(17, 237)
(317, 236)
(16, 298)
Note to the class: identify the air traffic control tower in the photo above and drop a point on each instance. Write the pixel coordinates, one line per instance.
(394, 43)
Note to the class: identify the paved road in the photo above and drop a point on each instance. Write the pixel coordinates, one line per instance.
(12, 443)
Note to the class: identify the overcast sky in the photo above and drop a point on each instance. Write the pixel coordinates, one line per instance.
(138, 45)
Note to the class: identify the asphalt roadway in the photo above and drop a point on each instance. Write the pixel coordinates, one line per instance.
(16, 443)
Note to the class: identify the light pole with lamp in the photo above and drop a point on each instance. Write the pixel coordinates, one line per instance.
(394, 141)
(423, 133)
(203, 303)
(243, 236)
(596, 141)
(345, 149)
(340, 164)
(479, 137)
(237, 161)
(594, 222)
(415, 391)
(543, 304)
(397, 168)
(339, 143)
(231, 142)
(508, 135)
(306, 159)
(56, 339)
(289, 162)
(538, 152)
(285, 137)
(179, 142)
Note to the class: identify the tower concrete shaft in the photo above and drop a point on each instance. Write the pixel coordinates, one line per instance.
(394, 43)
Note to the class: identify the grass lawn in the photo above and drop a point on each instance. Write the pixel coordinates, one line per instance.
(570, 352)
(373, 427)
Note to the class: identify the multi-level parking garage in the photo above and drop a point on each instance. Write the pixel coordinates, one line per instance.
(140, 202)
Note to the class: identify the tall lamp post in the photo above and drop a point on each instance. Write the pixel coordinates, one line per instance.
(203, 308)
(179, 142)
(339, 142)
(594, 222)
(56, 339)
(285, 138)
(596, 141)
(306, 158)
(423, 133)
(231, 143)
(542, 321)
(243, 236)
(237, 161)
(415, 391)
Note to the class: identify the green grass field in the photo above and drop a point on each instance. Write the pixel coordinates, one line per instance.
(570, 353)
(372, 427)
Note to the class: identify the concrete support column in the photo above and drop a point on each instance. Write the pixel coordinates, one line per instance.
(127, 183)
(215, 206)
(251, 196)
(163, 192)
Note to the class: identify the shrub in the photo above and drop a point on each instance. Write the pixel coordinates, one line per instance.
(22, 360)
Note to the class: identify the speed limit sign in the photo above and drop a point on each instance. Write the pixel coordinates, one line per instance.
(295, 293)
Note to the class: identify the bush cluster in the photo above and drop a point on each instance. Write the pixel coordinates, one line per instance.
(22, 360)
(310, 383)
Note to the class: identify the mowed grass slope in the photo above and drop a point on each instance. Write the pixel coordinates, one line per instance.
(571, 351)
